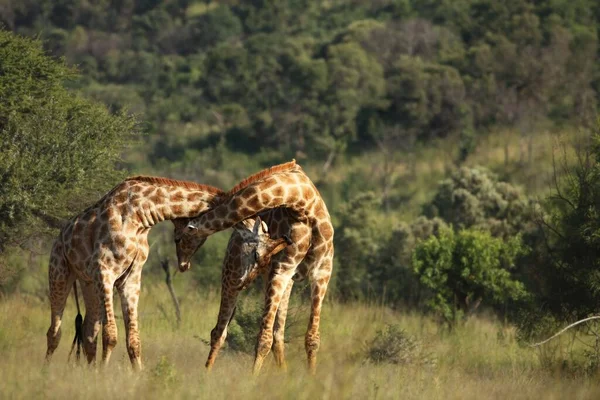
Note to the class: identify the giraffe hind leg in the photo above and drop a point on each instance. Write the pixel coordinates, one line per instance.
(312, 340)
(60, 280)
(104, 290)
(278, 346)
(278, 282)
(129, 292)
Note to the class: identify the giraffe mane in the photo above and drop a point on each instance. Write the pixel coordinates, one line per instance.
(176, 183)
(288, 166)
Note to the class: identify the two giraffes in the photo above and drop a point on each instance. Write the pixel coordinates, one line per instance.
(106, 246)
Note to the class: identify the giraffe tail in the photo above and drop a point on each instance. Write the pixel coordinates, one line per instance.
(78, 339)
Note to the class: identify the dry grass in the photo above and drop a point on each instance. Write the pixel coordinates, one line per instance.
(481, 360)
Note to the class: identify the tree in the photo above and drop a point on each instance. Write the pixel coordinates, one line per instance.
(210, 29)
(59, 151)
(463, 269)
(474, 197)
(394, 273)
(355, 81)
(567, 282)
(426, 96)
(358, 241)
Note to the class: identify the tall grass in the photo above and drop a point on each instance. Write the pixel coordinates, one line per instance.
(480, 360)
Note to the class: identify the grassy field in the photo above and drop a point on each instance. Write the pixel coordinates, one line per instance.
(480, 360)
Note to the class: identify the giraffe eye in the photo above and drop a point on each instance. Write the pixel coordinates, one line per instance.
(255, 254)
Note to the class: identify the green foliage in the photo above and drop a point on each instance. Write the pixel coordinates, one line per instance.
(429, 97)
(357, 242)
(164, 372)
(243, 329)
(474, 197)
(466, 268)
(59, 151)
(569, 287)
(394, 274)
(304, 72)
(216, 26)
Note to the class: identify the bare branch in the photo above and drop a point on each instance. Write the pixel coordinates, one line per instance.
(564, 330)
(165, 266)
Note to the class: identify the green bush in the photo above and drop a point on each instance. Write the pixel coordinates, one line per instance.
(243, 329)
(164, 372)
(466, 268)
(474, 197)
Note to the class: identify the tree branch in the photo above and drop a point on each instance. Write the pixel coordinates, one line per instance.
(564, 330)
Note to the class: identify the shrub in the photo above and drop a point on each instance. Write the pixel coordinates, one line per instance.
(462, 269)
(474, 197)
(393, 346)
(243, 329)
(164, 372)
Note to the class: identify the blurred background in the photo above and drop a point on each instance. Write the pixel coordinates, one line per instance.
(453, 141)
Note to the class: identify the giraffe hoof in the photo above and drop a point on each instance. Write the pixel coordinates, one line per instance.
(287, 239)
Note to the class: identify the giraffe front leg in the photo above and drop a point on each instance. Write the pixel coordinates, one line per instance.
(312, 339)
(129, 291)
(273, 296)
(279, 328)
(218, 335)
(60, 282)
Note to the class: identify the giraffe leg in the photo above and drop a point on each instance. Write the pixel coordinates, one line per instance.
(104, 289)
(312, 339)
(279, 328)
(278, 283)
(129, 291)
(219, 333)
(60, 282)
(92, 321)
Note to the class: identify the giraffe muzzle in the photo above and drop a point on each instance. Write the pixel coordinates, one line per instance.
(184, 266)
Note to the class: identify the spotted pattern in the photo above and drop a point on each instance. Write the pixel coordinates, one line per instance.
(105, 247)
(291, 205)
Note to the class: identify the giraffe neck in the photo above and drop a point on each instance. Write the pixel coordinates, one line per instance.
(291, 189)
(154, 202)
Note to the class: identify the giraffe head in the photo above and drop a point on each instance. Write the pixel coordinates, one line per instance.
(257, 248)
(186, 242)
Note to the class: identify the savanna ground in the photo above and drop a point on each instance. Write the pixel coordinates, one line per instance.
(480, 360)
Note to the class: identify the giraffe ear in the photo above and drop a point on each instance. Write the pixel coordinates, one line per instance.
(264, 227)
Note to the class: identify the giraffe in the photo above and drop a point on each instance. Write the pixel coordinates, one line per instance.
(250, 250)
(106, 246)
(239, 271)
(310, 255)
